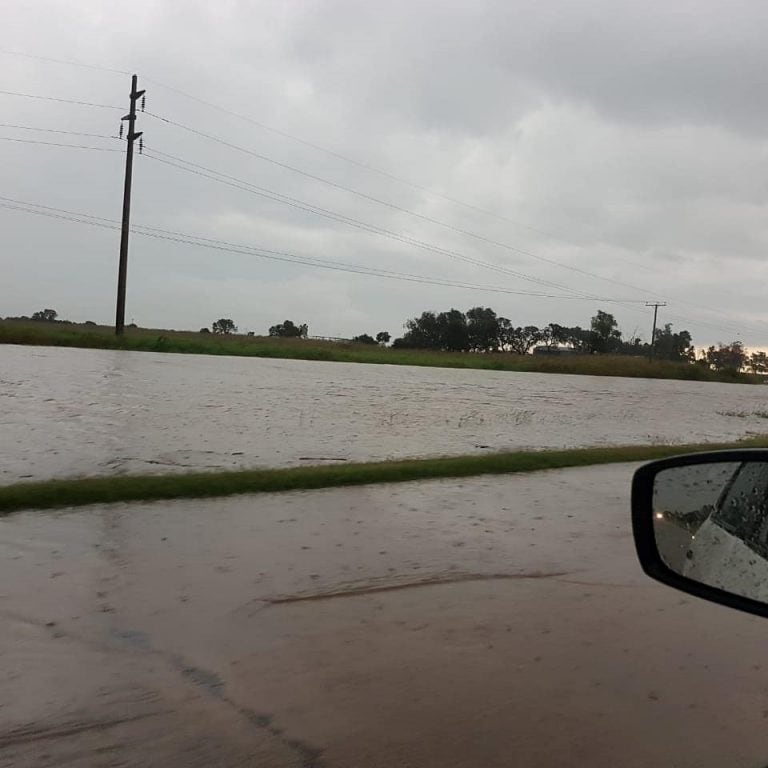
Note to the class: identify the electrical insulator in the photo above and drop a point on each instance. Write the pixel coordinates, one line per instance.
(121, 130)
(143, 102)
(141, 145)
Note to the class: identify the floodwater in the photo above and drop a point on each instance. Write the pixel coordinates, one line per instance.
(487, 622)
(66, 412)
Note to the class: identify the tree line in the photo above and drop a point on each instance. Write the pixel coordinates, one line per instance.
(482, 330)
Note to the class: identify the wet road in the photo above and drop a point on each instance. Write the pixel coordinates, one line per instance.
(483, 622)
(141, 412)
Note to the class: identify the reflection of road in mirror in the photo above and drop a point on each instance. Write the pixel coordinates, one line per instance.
(711, 525)
(683, 498)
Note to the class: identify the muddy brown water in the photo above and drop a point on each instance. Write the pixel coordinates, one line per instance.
(72, 411)
(484, 622)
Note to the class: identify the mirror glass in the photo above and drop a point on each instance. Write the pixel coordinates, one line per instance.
(711, 524)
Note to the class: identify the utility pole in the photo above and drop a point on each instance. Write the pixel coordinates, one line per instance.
(655, 306)
(122, 272)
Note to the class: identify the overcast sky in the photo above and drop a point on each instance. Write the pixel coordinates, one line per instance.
(608, 148)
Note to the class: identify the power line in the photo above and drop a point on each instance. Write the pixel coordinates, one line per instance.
(225, 242)
(179, 237)
(56, 130)
(394, 206)
(55, 98)
(643, 291)
(270, 194)
(355, 162)
(318, 263)
(312, 145)
(333, 153)
(408, 240)
(304, 142)
(57, 144)
(64, 61)
(361, 164)
(72, 146)
(335, 216)
(283, 256)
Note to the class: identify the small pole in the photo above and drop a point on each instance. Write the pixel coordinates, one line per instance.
(655, 306)
(122, 271)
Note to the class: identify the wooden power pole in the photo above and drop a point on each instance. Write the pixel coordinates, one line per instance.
(655, 306)
(122, 272)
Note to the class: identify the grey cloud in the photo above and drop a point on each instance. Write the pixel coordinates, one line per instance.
(477, 66)
(623, 138)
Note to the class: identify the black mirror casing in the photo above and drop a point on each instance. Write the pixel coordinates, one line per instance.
(644, 532)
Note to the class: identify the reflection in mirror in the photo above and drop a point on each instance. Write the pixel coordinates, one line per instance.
(711, 524)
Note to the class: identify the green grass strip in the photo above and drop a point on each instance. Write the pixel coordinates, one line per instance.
(48, 494)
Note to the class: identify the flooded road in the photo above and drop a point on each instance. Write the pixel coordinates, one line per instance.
(462, 623)
(67, 412)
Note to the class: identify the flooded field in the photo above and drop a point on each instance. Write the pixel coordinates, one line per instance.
(66, 412)
(483, 622)
(486, 621)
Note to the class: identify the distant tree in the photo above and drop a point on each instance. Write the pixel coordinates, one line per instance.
(454, 332)
(726, 357)
(673, 346)
(224, 326)
(554, 335)
(131, 325)
(288, 329)
(758, 362)
(580, 339)
(634, 347)
(483, 329)
(606, 337)
(520, 340)
(46, 315)
(445, 331)
(89, 322)
(383, 337)
(364, 338)
(204, 330)
(421, 333)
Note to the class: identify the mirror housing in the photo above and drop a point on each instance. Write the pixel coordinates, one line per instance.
(700, 524)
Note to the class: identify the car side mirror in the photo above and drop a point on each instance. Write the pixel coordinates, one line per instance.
(700, 524)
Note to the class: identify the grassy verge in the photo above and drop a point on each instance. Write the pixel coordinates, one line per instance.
(49, 494)
(188, 342)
